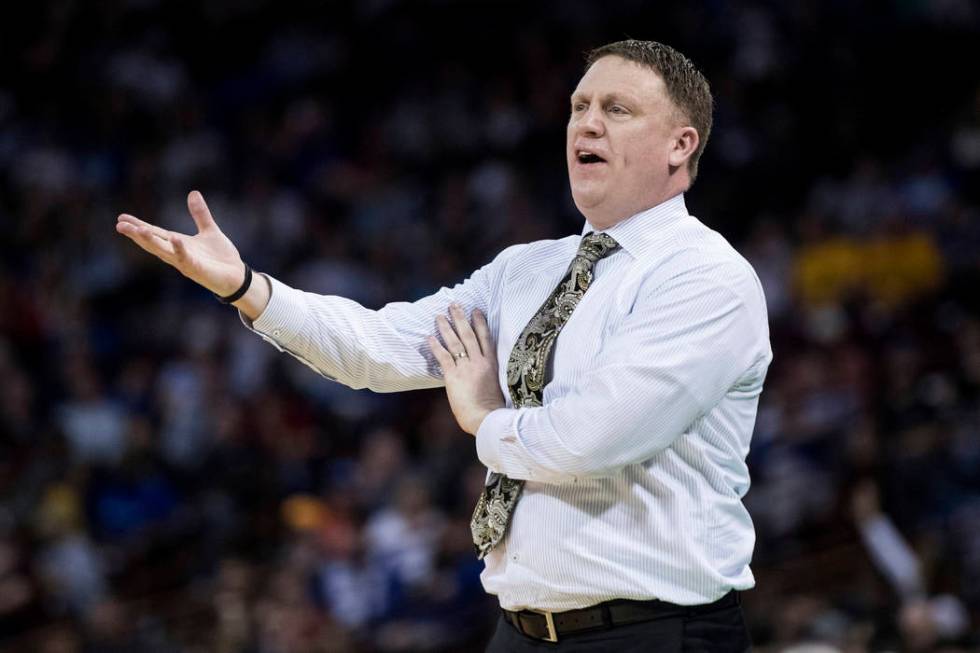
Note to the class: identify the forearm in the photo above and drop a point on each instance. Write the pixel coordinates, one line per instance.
(254, 301)
(580, 437)
(662, 369)
(384, 351)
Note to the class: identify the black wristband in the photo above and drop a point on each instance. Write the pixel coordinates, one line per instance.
(238, 294)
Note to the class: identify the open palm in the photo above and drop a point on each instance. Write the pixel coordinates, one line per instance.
(208, 257)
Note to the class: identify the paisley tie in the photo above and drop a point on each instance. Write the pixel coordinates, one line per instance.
(525, 378)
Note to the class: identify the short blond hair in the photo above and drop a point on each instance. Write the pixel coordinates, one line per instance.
(686, 86)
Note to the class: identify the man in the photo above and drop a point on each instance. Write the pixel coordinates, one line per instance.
(612, 515)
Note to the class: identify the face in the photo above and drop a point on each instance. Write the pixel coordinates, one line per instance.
(624, 141)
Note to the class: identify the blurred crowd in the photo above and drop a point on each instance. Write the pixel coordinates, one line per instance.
(168, 482)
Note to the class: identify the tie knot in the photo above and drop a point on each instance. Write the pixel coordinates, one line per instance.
(597, 246)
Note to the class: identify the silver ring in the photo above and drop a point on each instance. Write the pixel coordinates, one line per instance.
(461, 355)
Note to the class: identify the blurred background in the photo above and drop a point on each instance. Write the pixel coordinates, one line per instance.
(168, 482)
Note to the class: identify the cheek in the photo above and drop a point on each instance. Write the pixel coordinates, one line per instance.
(645, 153)
(642, 158)
(569, 132)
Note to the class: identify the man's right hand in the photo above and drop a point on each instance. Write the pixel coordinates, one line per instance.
(208, 257)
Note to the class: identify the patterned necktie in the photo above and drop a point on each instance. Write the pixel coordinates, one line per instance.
(525, 379)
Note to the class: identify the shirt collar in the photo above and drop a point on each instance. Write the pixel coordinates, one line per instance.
(639, 233)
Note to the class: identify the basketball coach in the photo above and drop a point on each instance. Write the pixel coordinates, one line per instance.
(610, 379)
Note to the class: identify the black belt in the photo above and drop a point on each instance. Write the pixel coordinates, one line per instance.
(541, 624)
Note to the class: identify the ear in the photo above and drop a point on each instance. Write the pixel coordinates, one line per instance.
(683, 144)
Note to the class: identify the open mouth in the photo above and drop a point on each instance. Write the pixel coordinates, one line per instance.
(588, 158)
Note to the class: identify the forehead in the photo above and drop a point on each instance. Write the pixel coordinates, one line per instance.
(612, 75)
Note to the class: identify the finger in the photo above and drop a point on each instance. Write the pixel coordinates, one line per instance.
(160, 244)
(483, 333)
(133, 220)
(152, 243)
(200, 212)
(464, 330)
(443, 357)
(150, 233)
(180, 249)
(453, 345)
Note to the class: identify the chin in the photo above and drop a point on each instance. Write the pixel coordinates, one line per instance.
(582, 207)
(586, 201)
(590, 213)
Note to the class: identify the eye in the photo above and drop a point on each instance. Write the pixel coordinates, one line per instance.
(618, 109)
(579, 106)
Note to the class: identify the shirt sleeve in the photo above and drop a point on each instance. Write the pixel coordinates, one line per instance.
(383, 350)
(681, 349)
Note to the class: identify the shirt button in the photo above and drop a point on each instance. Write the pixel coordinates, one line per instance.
(277, 332)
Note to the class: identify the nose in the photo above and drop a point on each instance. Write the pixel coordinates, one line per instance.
(590, 123)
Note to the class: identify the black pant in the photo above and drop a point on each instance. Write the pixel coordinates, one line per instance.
(720, 631)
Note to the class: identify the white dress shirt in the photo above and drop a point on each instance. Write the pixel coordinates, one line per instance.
(635, 462)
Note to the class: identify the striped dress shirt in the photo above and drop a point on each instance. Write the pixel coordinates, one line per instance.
(635, 462)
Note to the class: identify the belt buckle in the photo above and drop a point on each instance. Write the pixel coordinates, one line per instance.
(549, 621)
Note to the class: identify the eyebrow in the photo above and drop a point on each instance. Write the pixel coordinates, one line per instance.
(611, 97)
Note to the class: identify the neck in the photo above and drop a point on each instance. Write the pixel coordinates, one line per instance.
(602, 221)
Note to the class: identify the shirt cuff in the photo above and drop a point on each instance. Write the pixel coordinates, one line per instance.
(283, 318)
(497, 425)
